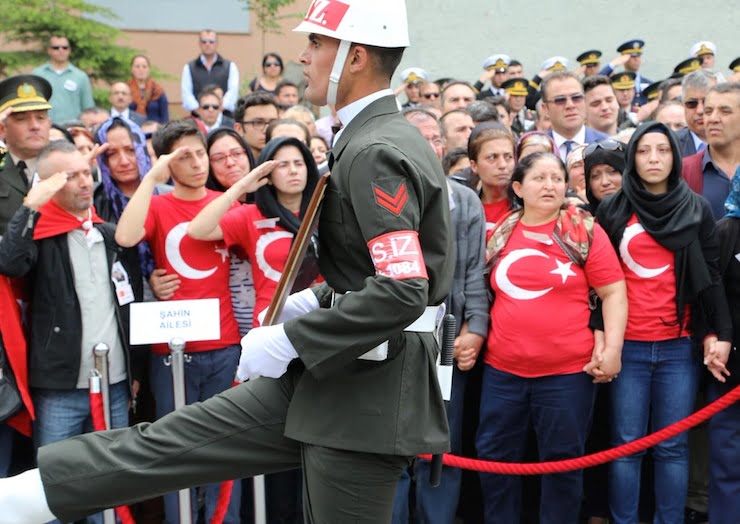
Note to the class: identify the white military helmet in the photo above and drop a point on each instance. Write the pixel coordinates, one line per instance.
(380, 23)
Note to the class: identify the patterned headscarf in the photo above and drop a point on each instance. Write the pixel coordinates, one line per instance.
(114, 195)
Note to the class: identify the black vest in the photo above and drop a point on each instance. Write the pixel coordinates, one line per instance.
(218, 75)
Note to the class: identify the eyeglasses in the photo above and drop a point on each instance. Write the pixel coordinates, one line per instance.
(693, 103)
(561, 100)
(234, 154)
(258, 123)
(207, 40)
(608, 145)
(431, 95)
(210, 106)
(268, 64)
(58, 47)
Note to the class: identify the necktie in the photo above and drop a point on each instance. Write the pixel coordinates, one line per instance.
(568, 146)
(21, 165)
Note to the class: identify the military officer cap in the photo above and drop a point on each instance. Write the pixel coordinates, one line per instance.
(25, 93)
(498, 62)
(705, 47)
(414, 75)
(687, 66)
(622, 81)
(633, 47)
(555, 63)
(652, 91)
(517, 86)
(589, 57)
(735, 65)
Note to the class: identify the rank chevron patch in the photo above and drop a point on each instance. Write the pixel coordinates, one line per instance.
(393, 203)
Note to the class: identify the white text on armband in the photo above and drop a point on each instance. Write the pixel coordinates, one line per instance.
(398, 255)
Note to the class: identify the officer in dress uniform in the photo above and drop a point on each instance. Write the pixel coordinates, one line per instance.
(590, 60)
(735, 68)
(412, 80)
(24, 102)
(630, 56)
(624, 87)
(345, 385)
(494, 70)
(517, 90)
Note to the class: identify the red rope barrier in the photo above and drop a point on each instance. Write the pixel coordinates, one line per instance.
(98, 419)
(559, 466)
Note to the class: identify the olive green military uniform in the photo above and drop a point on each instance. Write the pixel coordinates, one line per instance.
(351, 424)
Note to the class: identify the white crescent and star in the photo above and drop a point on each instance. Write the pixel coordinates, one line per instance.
(259, 252)
(641, 271)
(563, 269)
(174, 255)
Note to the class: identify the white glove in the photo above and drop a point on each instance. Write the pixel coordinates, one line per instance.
(296, 305)
(266, 352)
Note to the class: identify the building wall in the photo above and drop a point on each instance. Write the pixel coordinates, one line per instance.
(452, 38)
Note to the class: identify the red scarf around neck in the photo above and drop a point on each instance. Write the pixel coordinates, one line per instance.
(56, 221)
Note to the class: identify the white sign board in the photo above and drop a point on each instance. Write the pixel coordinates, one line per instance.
(160, 322)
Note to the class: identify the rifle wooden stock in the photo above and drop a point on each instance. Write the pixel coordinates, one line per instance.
(297, 252)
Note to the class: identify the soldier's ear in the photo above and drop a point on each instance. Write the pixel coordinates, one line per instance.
(359, 58)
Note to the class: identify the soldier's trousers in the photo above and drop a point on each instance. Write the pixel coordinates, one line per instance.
(236, 434)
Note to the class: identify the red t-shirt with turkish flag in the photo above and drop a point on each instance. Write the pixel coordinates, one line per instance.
(494, 212)
(266, 245)
(203, 266)
(649, 271)
(540, 315)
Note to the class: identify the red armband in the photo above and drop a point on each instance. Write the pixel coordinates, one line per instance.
(398, 255)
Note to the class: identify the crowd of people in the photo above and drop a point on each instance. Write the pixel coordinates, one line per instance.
(594, 241)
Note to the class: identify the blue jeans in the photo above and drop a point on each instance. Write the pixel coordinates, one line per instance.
(207, 373)
(724, 459)
(61, 414)
(560, 409)
(436, 505)
(657, 386)
(6, 449)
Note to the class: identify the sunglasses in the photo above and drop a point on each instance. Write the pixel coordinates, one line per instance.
(561, 100)
(207, 40)
(58, 47)
(607, 145)
(210, 106)
(431, 95)
(693, 103)
(268, 64)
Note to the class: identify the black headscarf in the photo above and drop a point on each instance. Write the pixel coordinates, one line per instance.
(270, 207)
(610, 157)
(673, 218)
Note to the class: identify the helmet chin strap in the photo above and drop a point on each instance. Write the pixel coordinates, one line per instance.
(336, 71)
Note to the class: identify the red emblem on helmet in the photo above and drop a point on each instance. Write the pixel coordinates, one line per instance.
(326, 13)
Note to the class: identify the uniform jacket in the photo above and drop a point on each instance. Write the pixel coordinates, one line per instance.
(393, 406)
(12, 191)
(56, 324)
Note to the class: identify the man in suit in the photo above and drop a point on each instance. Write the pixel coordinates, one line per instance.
(564, 101)
(120, 100)
(356, 393)
(694, 87)
(24, 126)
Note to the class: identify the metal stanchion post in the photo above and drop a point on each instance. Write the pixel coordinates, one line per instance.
(99, 384)
(101, 364)
(177, 361)
(260, 507)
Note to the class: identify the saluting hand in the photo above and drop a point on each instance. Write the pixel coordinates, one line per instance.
(44, 190)
(160, 172)
(253, 180)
